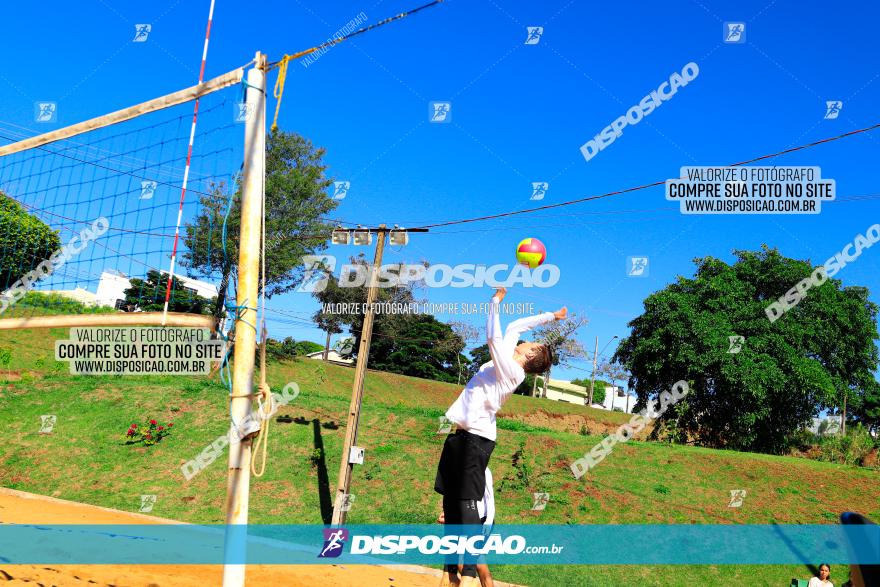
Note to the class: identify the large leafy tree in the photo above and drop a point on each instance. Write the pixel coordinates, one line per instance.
(411, 344)
(811, 358)
(479, 356)
(869, 410)
(148, 295)
(598, 389)
(296, 200)
(25, 241)
(418, 345)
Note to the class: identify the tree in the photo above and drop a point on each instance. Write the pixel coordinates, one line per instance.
(479, 357)
(148, 295)
(785, 372)
(288, 348)
(296, 200)
(418, 345)
(344, 346)
(869, 410)
(559, 336)
(25, 241)
(467, 334)
(411, 344)
(331, 323)
(598, 389)
(615, 372)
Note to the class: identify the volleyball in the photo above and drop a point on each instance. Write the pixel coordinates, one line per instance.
(531, 252)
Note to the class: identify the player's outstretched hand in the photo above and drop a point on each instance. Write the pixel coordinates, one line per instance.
(561, 313)
(500, 293)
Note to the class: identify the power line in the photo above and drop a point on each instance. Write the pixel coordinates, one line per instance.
(645, 186)
(336, 41)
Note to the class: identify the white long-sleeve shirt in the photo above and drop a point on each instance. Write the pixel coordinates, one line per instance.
(494, 383)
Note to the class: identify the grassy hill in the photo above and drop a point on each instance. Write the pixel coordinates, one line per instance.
(84, 459)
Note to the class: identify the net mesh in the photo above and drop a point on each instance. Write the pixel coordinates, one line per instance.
(87, 224)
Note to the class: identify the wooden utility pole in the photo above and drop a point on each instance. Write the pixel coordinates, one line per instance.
(593, 376)
(238, 482)
(357, 391)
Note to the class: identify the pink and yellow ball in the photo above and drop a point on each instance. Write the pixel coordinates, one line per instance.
(531, 252)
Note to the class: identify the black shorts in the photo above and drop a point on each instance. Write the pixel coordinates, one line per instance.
(461, 473)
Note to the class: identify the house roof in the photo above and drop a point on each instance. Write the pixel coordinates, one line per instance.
(568, 387)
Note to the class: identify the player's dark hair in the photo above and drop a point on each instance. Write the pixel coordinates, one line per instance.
(540, 361)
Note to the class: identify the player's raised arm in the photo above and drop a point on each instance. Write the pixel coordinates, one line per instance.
(502, 357)
(518, 327)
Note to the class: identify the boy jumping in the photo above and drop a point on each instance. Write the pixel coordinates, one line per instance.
(461, 476)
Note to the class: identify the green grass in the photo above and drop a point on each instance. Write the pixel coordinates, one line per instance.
(86, 460)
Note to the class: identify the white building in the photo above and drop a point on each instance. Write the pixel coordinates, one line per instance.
(332, 357)
(112, 286)
(566, 391)
(616, 397)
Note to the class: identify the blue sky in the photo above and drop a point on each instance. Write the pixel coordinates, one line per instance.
(519, 114)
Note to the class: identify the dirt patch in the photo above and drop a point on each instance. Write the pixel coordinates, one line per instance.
(871, 459)
(7, 375)
(573, 423)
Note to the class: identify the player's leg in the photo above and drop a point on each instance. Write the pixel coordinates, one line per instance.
(451, 517)
(467, 514)
(485, 575)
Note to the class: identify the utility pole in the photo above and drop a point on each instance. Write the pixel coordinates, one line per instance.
(238, 482)
(362, 236)
(593, 375)
(357, 390)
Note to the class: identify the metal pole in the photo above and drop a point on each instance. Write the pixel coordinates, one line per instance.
(357, 391)
(238, 483)
(593, 376)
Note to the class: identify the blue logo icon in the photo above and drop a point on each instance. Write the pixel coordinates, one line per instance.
(440, 112)
(534, 34)
(734, 32)
(141, 32)
(539, 190)
(334, 541)
(832, 109)
(148, 189)
(637, 266)
(340, 189)
(45, 112)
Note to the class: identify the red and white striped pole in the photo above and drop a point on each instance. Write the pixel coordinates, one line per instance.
(192, 135)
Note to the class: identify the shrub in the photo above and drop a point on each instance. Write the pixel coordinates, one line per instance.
(848, 449)
(523, 471)
(149, 434)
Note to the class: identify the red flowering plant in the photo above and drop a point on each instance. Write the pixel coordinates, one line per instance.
(149, 434)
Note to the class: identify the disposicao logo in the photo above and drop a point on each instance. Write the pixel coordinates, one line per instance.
(334, 541)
